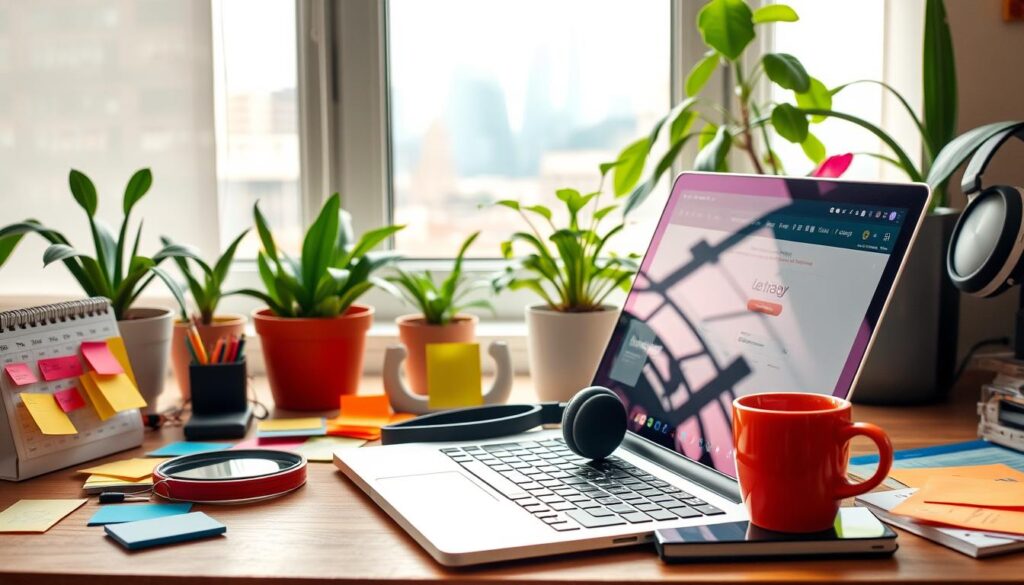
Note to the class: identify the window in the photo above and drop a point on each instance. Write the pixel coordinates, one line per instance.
(513, 100)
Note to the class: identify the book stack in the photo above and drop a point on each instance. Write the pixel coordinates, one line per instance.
(1001, 405)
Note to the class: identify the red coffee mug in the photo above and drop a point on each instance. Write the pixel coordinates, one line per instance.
(791, 456)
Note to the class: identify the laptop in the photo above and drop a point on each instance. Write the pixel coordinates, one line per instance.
(750, 284)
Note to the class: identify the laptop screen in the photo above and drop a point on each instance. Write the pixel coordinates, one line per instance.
(753, 284)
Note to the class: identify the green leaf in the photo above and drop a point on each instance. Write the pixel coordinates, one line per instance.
(175, 289)
(707, 134)
(775, 13)
(701, 73)
(640, 194)
(631, 166)
(106, 251)
(712, 157)
(726, 26)
(961, 148)
(318, 246)
(59, 252)
(367, 242)
(83, 191)
(601, 213)
(906, 163)
(816, 96)
(939, 73)
(813, 148)
(138, 185)
(790, 123)
(181, 251)
(786, 71)
(346, 235)
(510, 203)
(540, 210)
(266, 237)
(220, 270)
(7, 246)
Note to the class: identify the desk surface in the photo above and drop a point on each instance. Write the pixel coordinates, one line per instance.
(330, 531)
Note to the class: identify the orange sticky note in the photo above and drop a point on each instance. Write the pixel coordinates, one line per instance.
(48, 415)
(364, 411)
(116, 345)
(971, 517)
(99, 402)
(963, 491)
(919, 477)
(453, 375)
(98, 354)
(119, 391)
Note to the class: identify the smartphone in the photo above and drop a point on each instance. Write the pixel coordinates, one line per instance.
(856, 532)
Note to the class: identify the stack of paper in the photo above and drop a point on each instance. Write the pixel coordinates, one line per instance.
(126, 475)
(291, 427)
(362, 417)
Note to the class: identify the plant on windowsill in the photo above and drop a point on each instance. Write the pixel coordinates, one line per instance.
(572, 271)
(312, 331)
(205, 284)
(440, 319)
(146, 331)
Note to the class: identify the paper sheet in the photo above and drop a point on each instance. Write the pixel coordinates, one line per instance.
(116, 345)
(99, 356)
(120, 392)
(120, 513)
(36, 515)
(99, 402)
(984, 493)
(50, 419)
(134, 469)
(69, 399)
(321, 449)
(917, 477)
(453, 375)
(975, 518)
(21, 374)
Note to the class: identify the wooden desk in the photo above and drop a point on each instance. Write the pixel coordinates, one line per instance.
(330, 531)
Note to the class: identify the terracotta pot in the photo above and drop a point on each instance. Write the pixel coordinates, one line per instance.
(565, 349)
(180, 356)
(415, 334)
(147, 337)
(311, 363)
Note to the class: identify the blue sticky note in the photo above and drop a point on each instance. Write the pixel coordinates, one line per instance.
(119, 513)
(167, 530)
(188, 448)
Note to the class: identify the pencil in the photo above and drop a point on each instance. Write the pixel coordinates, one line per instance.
(241, 349)
(192, 352)
(217, 349)
(197, 343)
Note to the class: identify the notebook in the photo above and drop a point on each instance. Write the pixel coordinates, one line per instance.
(166, 530)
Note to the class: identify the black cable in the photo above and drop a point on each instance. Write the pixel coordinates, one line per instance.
(974, 349)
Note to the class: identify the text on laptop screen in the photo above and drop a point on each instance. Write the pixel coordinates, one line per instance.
(741, 294)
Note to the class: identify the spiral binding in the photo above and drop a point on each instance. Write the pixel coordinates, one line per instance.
(50, 314)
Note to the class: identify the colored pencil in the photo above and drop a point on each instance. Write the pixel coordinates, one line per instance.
(198, 345)
(241, 349)
(191, 351)
(232, 349)
(217, 349)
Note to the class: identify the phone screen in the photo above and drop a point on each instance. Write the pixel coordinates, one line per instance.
(850, 524)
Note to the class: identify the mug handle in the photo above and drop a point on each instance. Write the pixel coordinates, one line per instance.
(845, 489)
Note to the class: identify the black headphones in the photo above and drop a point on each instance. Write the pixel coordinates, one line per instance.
(593, 423)
(985, 249)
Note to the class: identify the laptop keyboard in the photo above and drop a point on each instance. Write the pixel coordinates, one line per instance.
(569, 492)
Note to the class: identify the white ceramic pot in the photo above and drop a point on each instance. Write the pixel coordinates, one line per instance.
(566, 348)
(147, 336)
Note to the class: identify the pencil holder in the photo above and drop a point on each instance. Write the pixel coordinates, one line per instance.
(218, 388)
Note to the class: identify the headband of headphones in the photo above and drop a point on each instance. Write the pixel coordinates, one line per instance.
(971, 182)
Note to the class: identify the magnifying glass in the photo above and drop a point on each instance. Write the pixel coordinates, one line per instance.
(229, 477)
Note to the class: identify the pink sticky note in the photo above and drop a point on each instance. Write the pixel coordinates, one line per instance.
(20, 374)
(97, 353)
(69, 399)
(60, 367)
(286, 443)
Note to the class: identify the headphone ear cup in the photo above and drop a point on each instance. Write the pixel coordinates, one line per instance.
(985, 248)
(594, 422)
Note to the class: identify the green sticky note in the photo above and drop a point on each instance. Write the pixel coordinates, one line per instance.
(453, 375)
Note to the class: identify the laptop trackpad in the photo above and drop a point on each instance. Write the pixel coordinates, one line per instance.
(446, 491)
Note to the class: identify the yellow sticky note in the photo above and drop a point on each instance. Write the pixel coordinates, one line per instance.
(99, 402)
(95, 481)
(321, 449)
(36, 515)
(134, 469)
(116, 345)
(120, 392)
(48, 415)
(291, 424)
(453, 375)
(918, 477)
(986, 493)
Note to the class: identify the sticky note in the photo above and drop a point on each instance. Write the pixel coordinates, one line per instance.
(103, 481)
(138, 468)
(98, 354)
(116, 345)
(118, 513)
(453, 375)
(365, 411)
(283, 443)
(986, 493)
(321, 449)
(971, 517)
(48, 415)
(99, 402)
(187, 448)
(120, 392)
(21, 374)
(918, 477)
(69, 399)
(292, 427)
(166, 530)
(36, 515)
(59, 368)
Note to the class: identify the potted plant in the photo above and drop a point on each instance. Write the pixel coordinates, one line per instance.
(570, 269)
(206, 288)
(118, 273)
(440, 319)
(312, 331)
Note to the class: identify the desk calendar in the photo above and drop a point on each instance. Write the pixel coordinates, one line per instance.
(41, 333)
